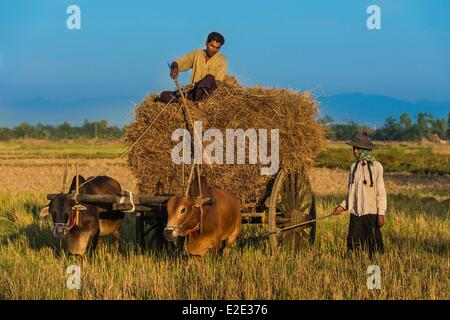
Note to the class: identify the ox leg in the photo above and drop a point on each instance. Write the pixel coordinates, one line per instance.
(93, 240)
(198, 248)
(231, 240)
(198, 260)
(115, 239)
(215, 246)
(77, 242)
(100, 242)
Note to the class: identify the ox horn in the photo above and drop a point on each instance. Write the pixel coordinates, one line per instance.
(66, 168)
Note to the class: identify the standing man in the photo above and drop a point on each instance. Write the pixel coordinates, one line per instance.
(366, 199)
(208, 66)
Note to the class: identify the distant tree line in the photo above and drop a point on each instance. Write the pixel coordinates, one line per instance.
(402, 129)
(97, 129)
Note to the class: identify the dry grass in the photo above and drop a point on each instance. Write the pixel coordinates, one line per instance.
(415, 265)
(46, 175)
(325, 180)
(48, 149)
(395, 157)
(441, 149)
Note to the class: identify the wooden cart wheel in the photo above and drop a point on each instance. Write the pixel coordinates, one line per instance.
(140, 231)
(292, 202)
(145, 229)
(149, 231)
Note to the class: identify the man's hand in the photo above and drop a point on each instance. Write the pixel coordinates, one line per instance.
(174, 70)
(338, 210)
(381, 220)
(188, 88)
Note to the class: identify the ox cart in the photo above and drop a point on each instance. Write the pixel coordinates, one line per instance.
(288, 203)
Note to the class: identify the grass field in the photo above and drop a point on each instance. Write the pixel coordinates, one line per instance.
(417, 237)
(395, 157)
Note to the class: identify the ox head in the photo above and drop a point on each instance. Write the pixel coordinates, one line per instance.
(62, 206)
(183, 216)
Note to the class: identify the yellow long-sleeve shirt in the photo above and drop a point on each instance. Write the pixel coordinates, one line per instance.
(363, 199)
(195, 60)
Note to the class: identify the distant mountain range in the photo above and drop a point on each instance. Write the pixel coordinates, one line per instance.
(372, 110)
(365, 109)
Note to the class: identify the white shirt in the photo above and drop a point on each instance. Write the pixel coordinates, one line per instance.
(362, 198)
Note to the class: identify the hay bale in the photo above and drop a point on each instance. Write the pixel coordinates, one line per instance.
(230, 106)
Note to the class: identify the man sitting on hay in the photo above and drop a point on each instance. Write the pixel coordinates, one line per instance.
(208, 66)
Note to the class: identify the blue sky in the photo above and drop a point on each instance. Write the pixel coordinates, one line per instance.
(123, 46)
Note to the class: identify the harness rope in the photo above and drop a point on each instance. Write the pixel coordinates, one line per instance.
(73, 221)
(130, 195)
(191, 212)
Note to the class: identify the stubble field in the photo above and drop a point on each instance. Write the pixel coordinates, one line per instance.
(33, 263)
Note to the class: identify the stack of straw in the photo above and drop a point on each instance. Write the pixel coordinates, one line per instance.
(231, 106)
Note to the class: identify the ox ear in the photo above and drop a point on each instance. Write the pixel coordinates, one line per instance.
(44, 212)
(79, 207)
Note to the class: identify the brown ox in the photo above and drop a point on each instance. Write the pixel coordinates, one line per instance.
(82, 225)
(220, 220)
